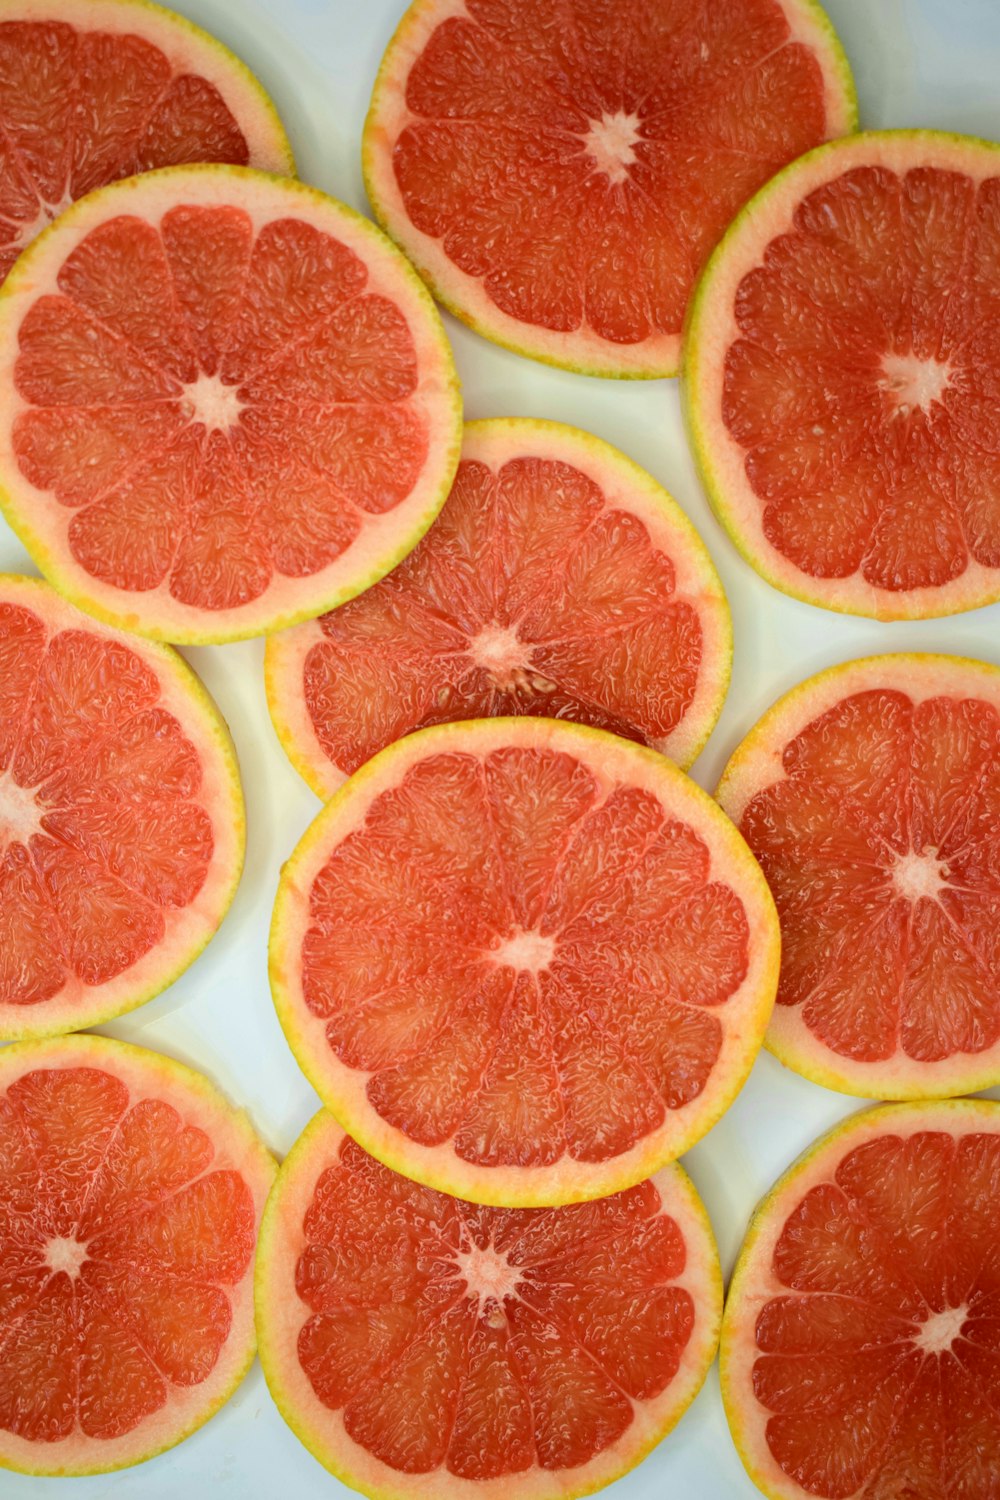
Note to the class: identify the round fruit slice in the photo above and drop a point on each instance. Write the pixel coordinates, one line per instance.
(843, 358)
(871, 796)
(559, 172)
(233, 404)
(523, 961)
(419, 1345)
(559, 580)
(121, 816)
(859, 1347)
(130, 1193)
(94, 90)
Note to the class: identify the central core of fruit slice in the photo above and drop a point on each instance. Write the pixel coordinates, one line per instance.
(915, 382)
(497, 649)
(208, 400)
(65, 1253)
(940, 1330)
(918, 875)
(20, 815)
(488, 1274)
(609, 142)
(526, 950)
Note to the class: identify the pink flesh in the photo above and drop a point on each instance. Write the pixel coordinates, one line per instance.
(902, 1230)
(123, 836)
(522, 1056)
(880, 973)
(95, 1350)
(79, 109)
(535, 551)
(852, 471)
(495, 165)
(315, 376)
(433, 1371)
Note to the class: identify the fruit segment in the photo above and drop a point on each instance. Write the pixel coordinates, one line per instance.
(420, 1344)
(524, 961)
(121, 817)
(870, 795)
(233, 405)
(560, 172)
(130, 1194)
(559, 580)
(859, 1342)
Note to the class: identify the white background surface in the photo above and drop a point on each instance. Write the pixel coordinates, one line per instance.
(916, 62)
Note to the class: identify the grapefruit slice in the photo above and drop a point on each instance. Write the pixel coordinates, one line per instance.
(121, 816)
(94, 90)
(560, 580)
(523, 961)
(859, 1346)
(419, 1345)
(130, 1194)
(842, 362)
(233, 404)
(558, 172)
(871, 796)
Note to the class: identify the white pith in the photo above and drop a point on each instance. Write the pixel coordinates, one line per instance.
(526, 950)
(609, 143)
(915, 383)
(918, 876)
(489, 1276)
(207, 399)
(940, 1330)
(499, 652)
(20, 814)
(65, 1253)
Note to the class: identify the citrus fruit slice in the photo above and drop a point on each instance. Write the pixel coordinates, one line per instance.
(121, 816)
(419, 1345)
(233, 404)
(842, 362)
(859, 1346)
(130, 1193)
(559, 580)
(94, 90)
(559, 172)
(871, 796)
(523, 961)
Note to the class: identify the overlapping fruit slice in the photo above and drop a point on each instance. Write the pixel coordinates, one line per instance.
(233, 404)
(559, 580)
(121, 816)
(130, 1194)
(420, 1345)
(859, 1348)
(871, 796)
(95, 90)
(842, 366)
(560, 169)
(523, 961)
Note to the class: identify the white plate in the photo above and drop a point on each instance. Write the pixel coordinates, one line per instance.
(916, 62)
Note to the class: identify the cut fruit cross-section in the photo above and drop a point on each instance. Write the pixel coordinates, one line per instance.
(559, 580)
(130, 1194)
(233, 404)
(522, 960)
(422, 1346)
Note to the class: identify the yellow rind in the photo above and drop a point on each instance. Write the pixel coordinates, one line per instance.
(298, 1159)
(130, 617)
(894, 606)
(547, 1192)
(808, 1063)
(535, 349)
(316, 773)
(103, 1050)
(204, 707)
(737, 1403)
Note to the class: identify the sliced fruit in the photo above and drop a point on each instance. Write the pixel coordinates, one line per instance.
(558, 173)
(130, 1194)
(559, 580)
(871, 797)
(841, 368)
(121, 816)
(419, 1345)
(233, 404)
(523, 961)
(859, 1347)
(95, 90)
